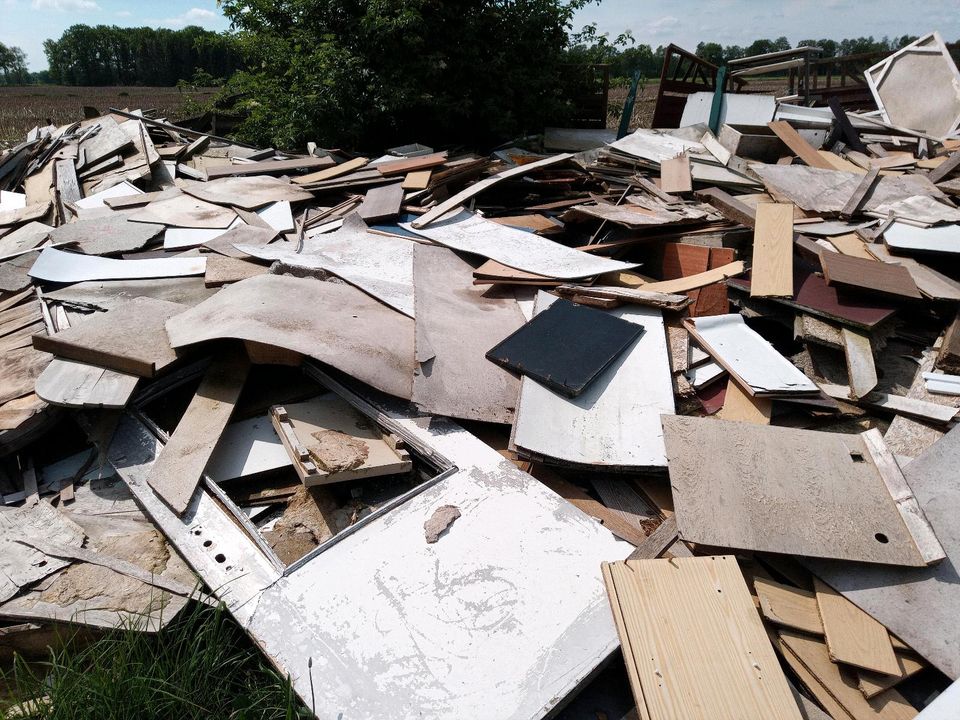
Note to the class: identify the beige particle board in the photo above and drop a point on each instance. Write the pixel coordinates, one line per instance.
(675, 175)
(772, 272)
(329, 441)
(789, 606)
(873, 683)
(851, 244)
(176, 472)
(853, 637)
(729, 672)
(129, 339)
(417, 180)
(740, 406)
(861, 369)
(835, 688)
(74, 384)
(771, 487)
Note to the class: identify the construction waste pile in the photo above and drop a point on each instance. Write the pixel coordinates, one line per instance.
(659, 429)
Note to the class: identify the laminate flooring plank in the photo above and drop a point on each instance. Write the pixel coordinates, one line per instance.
(772, 272)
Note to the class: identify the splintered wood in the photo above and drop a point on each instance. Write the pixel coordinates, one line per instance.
(772, 272)
(730, 671)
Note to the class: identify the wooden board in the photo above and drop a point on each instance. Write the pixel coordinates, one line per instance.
(699, 280)
(336, 171)
(883, 278)
(248, 193)
(837, 691)
(872, 684)
(919, 606)
(330, 441)
(110, 234)
(74, 384)
(185, 211)
(771, 485)
(269, 167)
(730, 672)
(454, 378)
(402, 166)
(129, 339)
(741, 406)
(461, 197)
(222, 270)
(176, 473)
(417, 180)
(800, 147)
(772, 272)
(675, 175)
(860, 366)
(852, 636)
(789, 606)
(63, 267)
(382, 203)
(851, 244)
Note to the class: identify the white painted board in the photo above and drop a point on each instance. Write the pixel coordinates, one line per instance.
(178, 238)
(737, 109)
(616, 421)
(246, 448)
(904, 238)
(58, 266)
(278, 216)
(514, 248)
(123, 189)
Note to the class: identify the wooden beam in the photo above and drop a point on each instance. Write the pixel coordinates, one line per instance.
(860, 194)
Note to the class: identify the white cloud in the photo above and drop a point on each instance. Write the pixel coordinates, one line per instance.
(662, 24)
(123, 13)
(193, 16)
(66, 5)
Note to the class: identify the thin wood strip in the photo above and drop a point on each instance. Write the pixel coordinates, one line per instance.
(800, 147)
(692, 282)
(860, 194)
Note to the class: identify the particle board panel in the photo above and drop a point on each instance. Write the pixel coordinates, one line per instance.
(454, 377)
(269, 167)
(185, 211)
(851, 244)
(616, 421)
(746, 355)
(867, 275)
(920, 606)
(741, 406)
(772, 272)
(129, 339)
(467, 232)
(176, 474)
(240, 235)
(852, 636)
(872, 683)
(222, 270)
(800, 147)
(382, 203)
(417, 180)
(730, 672)
(332, 322)
(835, 689)
(329, 441)
(789, 606)
(68, 383)
(566, 346)
(771, 486)
(247, 193)
(675, 175)
(860, 366)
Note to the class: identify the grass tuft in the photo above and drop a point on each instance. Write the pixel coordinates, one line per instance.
(201, 665)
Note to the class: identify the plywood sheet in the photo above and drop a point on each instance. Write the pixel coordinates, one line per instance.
(730, 672)
(176, 473)
(63, 267)
(334, 323)
(616, 421)
(772, 272)
(759, 368)
(471, 233)
(852, 636)
(454, 377)
(770, 486)
(129, 339)
(919, 605)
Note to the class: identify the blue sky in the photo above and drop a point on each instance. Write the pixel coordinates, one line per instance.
(27, 23)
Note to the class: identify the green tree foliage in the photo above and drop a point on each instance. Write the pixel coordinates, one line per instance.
(13, 65)
(368, 74)
(110, 55)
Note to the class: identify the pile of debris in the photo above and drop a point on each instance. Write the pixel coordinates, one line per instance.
(421, 421)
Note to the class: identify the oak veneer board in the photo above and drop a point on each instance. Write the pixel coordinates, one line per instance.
(873, 683)
(330, 322)
(330, 441)
(129, 339)
(730, 673)
(884, 278)
(920, 606)
(772, 271)
(789, 606)
(746, 355)
(74, 384)
(852, 636)
(800, 147)
(675, 174)
(176, 472)
(478, 187)
(454, 378)
(835, 689)
(813, 295)
(771, 486)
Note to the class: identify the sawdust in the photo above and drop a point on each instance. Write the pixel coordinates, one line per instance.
(335, 451)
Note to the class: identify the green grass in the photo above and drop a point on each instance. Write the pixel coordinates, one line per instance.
(201, 665)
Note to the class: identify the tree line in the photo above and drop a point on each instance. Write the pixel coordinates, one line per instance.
(13, 65)
(111, 55)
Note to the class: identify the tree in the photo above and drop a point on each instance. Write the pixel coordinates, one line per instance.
(711, 52)
(13, 64)
(374, 73)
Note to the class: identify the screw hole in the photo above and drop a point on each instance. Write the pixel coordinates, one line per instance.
(220, 557)
(857, 457)
(881, 538)
(197, 531)
(207, 543)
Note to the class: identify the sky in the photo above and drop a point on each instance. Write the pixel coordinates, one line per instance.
(27, 23)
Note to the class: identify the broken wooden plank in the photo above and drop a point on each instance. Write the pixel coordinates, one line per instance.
(860, 194)
(800, 147)
(731, 671)
(852, 636)
(269, 167)
(772, 271)
(789, 606)
(69, 383)
(176, 473)
(699, 280)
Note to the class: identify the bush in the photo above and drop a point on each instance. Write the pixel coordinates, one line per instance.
(379, 72)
